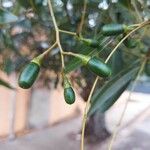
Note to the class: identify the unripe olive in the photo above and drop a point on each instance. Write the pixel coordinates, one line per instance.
(98, 67)
(28, 75)
(90, 42)
(113, 29)
(147, 68)
(69, 95)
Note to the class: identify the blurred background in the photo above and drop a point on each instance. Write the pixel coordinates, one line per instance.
(39, 118)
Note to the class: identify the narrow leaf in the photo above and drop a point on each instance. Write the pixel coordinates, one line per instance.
(117, 63)
(112, 90)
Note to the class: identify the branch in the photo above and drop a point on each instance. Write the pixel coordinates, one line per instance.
(96, 80)
(57, 32)
(83, 17)
(126, 105)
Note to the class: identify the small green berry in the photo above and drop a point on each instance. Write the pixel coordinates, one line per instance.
(28, 75)
(98, 67)
(69, 94)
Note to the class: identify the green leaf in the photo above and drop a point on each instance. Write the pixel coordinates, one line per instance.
(126, 3)
(6, 84)
(7, 17)
(117, 62)
(8, 66)
(111, 91)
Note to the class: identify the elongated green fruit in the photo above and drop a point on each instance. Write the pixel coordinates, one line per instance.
(98, 67)
(28, 75)
(113, 29)
(90, 42)
(69, 94)
(95, 65)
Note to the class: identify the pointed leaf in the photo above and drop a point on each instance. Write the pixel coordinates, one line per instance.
(111, 91)
(117, 62)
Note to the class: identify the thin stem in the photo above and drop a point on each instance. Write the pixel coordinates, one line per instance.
(61, 50)
(48, 50)
(68, 32)
(83, 17)
(133, 2)
(96, 80)
(85, 113)
(52, 15)
(126, 105)
(77, 55)
(71, 54)
(135, 25)
(139, 27)
(57, 32)
(39, 59)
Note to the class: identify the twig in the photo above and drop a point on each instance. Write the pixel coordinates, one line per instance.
(68, 32)
(57, 32)
(85, 113)
(48, 50)
(83, 17)
(136, 10)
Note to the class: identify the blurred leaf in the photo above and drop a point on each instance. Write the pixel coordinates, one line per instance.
(126, 3)
(7, 17)
(117, 63)
(8, 66)
(111, 91)
(24, 3)
(6, 84)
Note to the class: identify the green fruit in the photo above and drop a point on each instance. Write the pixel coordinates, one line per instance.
(69, 95)
(130, 43)
(28, 75)
(91, 42)
(113, 29)
(147, 68)
(98, 67)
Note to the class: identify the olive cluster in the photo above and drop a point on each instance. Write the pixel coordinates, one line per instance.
(94, 64)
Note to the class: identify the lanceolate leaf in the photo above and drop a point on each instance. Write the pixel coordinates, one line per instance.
(6, 17)
(111, 91)
(117, 63)
(5, 84)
